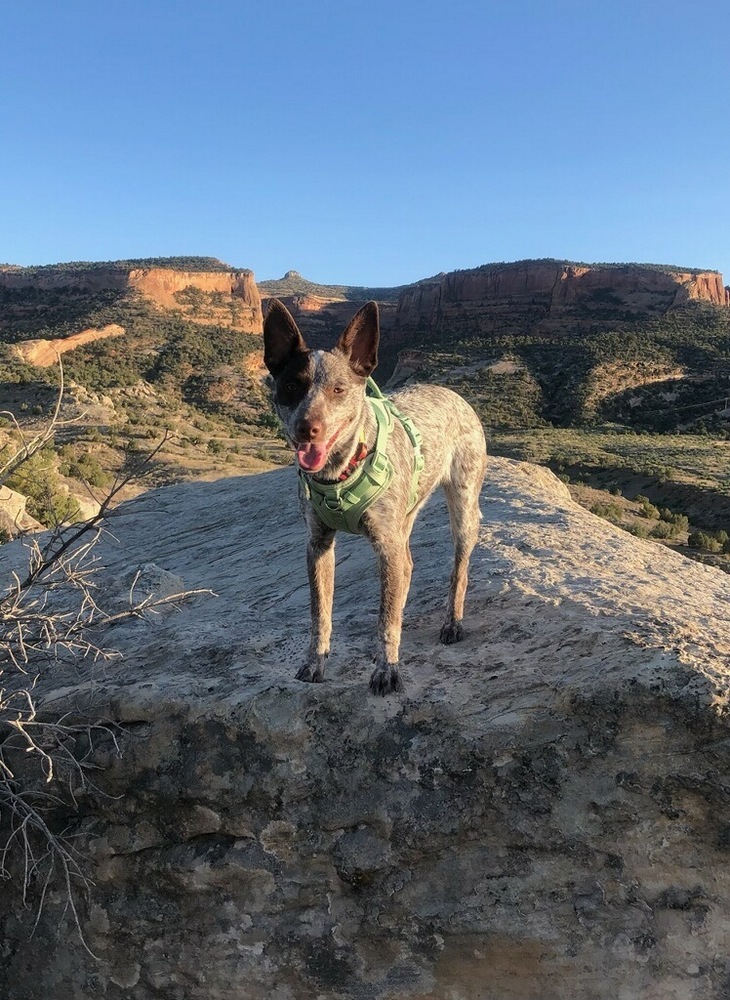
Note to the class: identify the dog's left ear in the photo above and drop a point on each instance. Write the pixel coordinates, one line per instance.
(359, 342)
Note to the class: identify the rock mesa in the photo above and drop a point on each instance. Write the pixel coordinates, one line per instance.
(547, 297)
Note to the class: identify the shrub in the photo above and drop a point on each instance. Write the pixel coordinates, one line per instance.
(639, 529)
(647, 509)
(609, 511)
(703, 540)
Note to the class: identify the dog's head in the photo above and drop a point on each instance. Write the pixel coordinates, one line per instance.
(320, 395)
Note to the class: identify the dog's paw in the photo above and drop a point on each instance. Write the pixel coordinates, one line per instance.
(385, 679)
(452, 631)
(313, 670)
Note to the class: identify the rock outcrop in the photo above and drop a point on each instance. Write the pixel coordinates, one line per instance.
(160, 285)
(543, 814)
(14, 518)
(547, 296)
(44, 353)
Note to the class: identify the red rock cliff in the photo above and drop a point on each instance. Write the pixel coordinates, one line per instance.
(547, 297)
(159, 285)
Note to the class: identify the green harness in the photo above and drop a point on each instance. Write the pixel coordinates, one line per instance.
(341, 505)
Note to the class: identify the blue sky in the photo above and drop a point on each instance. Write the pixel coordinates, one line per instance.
(366, 143)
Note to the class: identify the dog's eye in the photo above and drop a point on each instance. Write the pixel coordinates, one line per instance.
(338, 389)
(291, 387)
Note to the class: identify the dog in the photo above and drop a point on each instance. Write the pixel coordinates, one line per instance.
(341, 437)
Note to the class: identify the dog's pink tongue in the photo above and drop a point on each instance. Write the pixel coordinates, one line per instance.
(311, 457)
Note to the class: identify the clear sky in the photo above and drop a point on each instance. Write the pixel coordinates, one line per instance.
(365, 142)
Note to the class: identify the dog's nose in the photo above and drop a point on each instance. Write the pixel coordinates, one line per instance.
(309, 430)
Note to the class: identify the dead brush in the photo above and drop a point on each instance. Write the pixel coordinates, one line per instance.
(49, 614)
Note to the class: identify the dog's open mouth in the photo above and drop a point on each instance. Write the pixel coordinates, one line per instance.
(312, 457)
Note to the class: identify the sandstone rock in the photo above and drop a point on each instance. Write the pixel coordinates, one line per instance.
(545, 296)
(45, 352)
(14, 518)
(542, 815)
(158, 284)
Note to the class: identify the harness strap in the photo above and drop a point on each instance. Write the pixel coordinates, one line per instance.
(341, 504)
(415, 438)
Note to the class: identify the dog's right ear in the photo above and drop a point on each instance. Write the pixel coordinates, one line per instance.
(359, 342)
(282, 338)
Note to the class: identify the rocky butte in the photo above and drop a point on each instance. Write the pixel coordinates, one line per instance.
(544, 813)
(547, 296)
(158, 284)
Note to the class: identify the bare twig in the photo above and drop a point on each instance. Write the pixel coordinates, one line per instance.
(29, 448)
(48, 612)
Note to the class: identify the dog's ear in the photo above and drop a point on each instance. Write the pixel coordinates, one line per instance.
(282, 338)
(359, 342)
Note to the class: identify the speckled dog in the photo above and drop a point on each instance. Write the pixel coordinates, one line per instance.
(321, 400)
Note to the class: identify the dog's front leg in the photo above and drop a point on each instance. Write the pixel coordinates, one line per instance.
(392, 561)
(321, 570)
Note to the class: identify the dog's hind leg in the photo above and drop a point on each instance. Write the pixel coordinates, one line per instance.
(321, 569)
(462, 499)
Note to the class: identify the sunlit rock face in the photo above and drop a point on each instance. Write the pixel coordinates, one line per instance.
(547, 297)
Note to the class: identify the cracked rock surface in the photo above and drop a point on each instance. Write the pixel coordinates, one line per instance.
(542, 814)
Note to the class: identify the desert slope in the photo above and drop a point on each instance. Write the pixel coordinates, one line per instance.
(542, 815)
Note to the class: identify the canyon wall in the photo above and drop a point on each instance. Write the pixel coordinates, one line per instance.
(157, 284)
(545, 297)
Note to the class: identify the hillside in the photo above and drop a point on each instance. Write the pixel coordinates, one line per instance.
(57, 297)
(543, 814)
(294, 284)
(151, 347)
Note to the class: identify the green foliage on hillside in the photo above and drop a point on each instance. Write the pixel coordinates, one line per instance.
(669, 458)
(30, 313)
(192, 263)
(662, 374)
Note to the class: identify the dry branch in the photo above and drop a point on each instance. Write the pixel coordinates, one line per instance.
(48, 613)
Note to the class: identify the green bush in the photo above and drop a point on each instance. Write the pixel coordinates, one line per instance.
(703, 540)
(647, 508)
(609, 511)
(640, 530)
